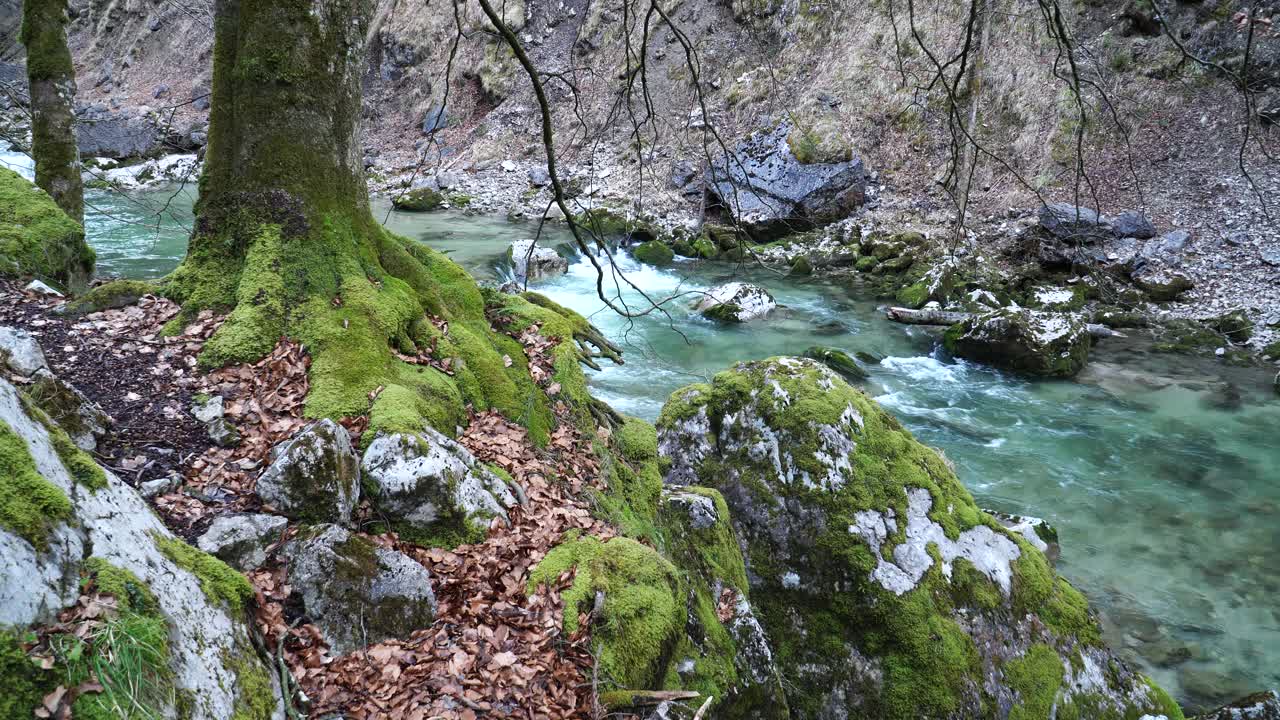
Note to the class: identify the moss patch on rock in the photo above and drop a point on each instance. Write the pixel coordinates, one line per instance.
(30, 505)
(37, 238)
(218, 580)
(423, 199)
(636, 630)
(115, 294)
(654, 253)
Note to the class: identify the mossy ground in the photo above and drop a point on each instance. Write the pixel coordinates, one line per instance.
(37, 238)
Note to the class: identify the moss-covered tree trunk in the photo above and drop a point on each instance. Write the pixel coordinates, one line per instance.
(285, 243)
(52, 79)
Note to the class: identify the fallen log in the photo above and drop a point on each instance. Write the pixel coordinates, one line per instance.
(951, 317)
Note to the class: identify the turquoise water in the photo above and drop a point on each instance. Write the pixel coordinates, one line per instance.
(1161, 473)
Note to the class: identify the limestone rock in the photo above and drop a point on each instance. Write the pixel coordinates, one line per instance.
(1132, 223)
(315, 476)
(83, 420)
(39, 287)
(1039, 343)
(735, 302)
(356, 592)
(211, 657)
(422, 199)
(769, 192)
(654, 252)
(532, 263)
(1073, 223)
(430, 487)
(117, 136)
(241, 540)
(883, 589)
(20, 353)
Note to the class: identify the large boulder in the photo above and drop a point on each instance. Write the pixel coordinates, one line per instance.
(65, 522)
(1160, 281)
(432, 490)
(315, 475)
(769, 192)
(1038, 343)
(38, 238)
(533, 262)
(735, 302)
(356, 592)
(117, 135)
(884, 590)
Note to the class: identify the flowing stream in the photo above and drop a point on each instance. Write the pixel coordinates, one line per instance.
(1161, 473)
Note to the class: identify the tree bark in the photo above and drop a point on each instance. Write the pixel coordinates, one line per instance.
(285, 244)
(52, 80)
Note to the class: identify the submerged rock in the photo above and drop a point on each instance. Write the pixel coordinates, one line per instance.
(769, 192)
(532, 262)
(884, 590)
(839, 361)
(1259, 706)
(358, 593)
(735, 302)
(315, 476)
(1039, 343)
(654, 252)
(432, 490)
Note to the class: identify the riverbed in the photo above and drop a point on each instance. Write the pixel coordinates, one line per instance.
(1161, 473)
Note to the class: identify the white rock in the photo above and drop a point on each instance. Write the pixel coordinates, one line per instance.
(115, 524)
(40, 288)
(534, 262)
(746, 302)
(315, 475)
(20, 352)
(422, 478)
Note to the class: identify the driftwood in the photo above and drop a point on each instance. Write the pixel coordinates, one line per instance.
(950, 317)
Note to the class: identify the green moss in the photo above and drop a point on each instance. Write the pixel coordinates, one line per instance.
(642, 616)
(1163, 703)
(83, 469)
(837, 360)
(115, 294)
(867, 263)
(1186, 337)
(22, 684)
(654, 252)
(38, 238)
(913, 296)
(421, 199)
(1035, 677)
(634, 480)
(219, 582)
(131, 594)
(705, 248)
(30, 505)
(1235, 325)
(255, 695)
(1038, 589)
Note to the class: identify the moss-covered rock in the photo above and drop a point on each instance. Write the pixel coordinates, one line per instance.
(30, 505)
(1187, 337)
(654, 253)
(357, 592)
(1057, 299)
(837, 360)
(1236, 326)
(432, 490)
(423, 199)
(636, 629)
(114, 294)
(1048, 344)
(735, 302)
(886, 593)
(801, 267)
(315, 476)
(37, 238)
(706, 248)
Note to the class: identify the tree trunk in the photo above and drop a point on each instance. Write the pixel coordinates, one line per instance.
(52, 79)
(284, 241)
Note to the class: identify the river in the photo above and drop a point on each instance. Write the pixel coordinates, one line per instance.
(1162, 473)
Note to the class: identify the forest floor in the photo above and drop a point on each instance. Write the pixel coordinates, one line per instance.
(493, 648)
